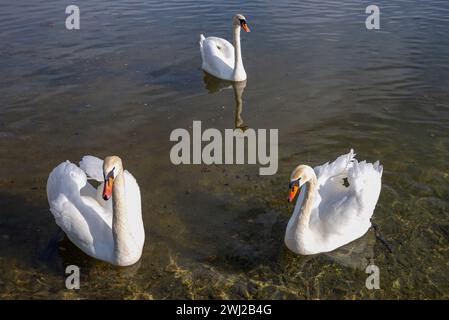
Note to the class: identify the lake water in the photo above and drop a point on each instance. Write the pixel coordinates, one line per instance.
(132, 74)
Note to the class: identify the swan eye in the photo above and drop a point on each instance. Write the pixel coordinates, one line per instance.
(110, 174)
(244, 25)
(294, 183)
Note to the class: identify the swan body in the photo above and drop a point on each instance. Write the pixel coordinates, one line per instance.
(222, 59)
(111, 231)
(335, 206)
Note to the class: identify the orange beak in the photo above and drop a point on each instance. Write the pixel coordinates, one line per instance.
(245, 27)
(292, 193)
(107, 189)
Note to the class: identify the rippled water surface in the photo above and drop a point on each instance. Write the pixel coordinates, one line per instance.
(132, 74)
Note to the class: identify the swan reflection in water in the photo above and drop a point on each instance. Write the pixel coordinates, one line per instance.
(214, 85)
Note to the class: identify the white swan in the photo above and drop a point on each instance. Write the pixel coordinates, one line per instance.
(336, 206)
(110, 232)
(222, 59)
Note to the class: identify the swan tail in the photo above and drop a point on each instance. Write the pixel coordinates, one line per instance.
(365, 179)
(202, 38)
(93, 167)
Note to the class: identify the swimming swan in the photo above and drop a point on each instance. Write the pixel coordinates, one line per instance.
(222, 59)
(336, 206)
(112, 232)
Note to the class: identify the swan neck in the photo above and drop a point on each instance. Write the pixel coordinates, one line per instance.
(306, 207)
(238, 63)
(120, 223)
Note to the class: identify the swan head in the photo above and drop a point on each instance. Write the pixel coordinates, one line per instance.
(240, 21)
(112, 167)
(300, 175)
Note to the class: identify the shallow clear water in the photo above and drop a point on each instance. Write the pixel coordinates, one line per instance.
(132, 74)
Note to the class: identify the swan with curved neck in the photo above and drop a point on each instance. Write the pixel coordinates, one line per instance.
(335, 204)
(121, 229)
(222, 59)
(109, 232)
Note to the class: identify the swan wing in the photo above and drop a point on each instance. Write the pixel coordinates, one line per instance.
(62, 180)
(73, 205)
(218, 57)
(346, 200)
(334, 169)
(330, 190)
(93, 167)
(366, 179)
